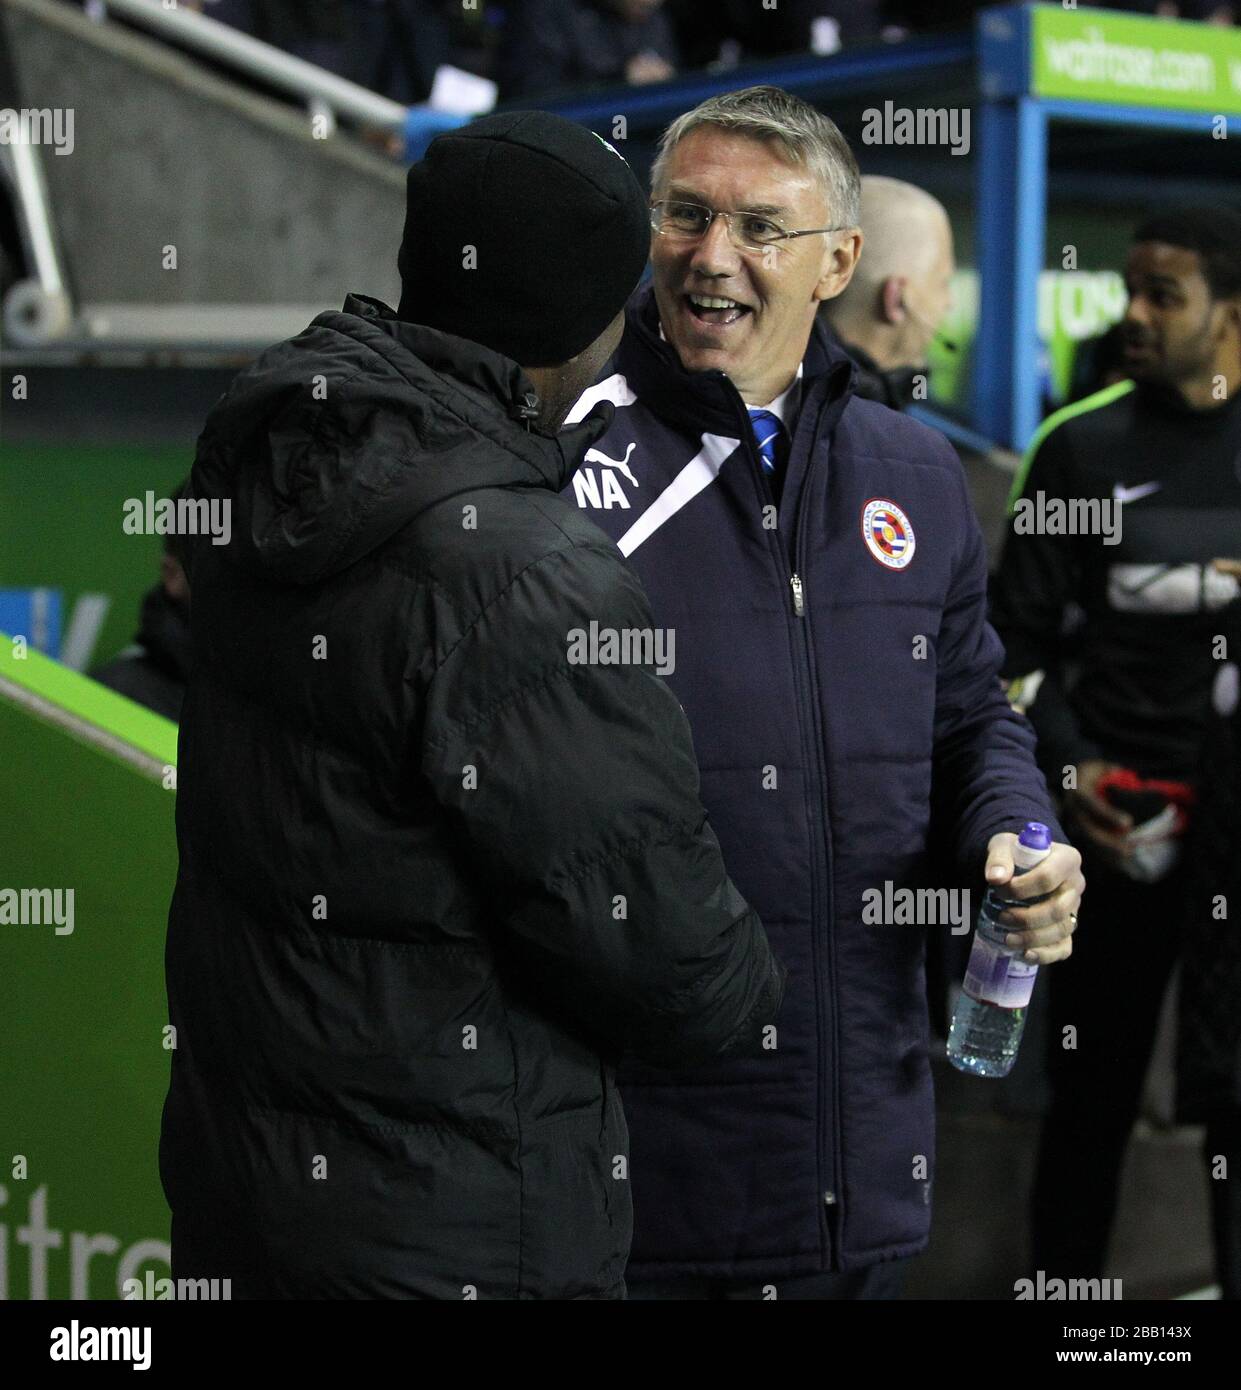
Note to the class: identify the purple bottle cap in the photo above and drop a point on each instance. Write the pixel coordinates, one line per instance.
(1035, 835)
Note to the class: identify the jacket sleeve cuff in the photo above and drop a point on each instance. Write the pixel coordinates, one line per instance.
(976, 854)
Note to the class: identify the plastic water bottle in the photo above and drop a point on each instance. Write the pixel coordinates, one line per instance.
(991, 1013)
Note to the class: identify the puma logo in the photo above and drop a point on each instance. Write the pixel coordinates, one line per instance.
(594, 456)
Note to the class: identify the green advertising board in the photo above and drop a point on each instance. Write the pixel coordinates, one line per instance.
(1131, 60)
(61, 527)
(87, 867)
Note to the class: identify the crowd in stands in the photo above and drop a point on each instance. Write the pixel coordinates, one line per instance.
(539, 46)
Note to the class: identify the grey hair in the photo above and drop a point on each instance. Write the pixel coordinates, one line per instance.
(806, 136)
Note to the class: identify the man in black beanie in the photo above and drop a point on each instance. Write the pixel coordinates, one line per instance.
(523, 232)
(442, 857)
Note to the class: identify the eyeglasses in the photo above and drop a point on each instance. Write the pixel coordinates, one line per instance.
(748, 231)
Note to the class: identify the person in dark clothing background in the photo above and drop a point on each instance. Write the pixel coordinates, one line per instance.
(396, 46)
(1208, 1059)
(314, 30)
(749, 30)
(389, 46)
(154, 669)
(562, 43)
(442, 861)
(1098, 362)
(1122, 702)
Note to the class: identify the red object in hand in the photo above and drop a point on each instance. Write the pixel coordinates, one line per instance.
(1145, 797)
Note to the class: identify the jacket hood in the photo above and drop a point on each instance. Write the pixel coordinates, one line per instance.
(333, 441)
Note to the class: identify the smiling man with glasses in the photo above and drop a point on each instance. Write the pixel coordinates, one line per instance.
(818, 559)
(737, 280)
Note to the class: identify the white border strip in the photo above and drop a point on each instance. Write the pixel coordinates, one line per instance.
(82, 730)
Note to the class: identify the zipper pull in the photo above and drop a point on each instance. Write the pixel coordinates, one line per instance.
(799, 603)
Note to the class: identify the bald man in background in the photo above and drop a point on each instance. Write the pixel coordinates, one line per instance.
(901, 290)
(890, 314)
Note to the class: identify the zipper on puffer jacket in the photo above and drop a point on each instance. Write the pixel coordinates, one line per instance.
(828, 1211)
(833, 1194)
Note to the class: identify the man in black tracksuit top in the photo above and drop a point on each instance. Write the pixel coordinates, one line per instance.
(435, 873)
(1121, 704)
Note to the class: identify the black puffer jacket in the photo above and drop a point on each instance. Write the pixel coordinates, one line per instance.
(434, 878)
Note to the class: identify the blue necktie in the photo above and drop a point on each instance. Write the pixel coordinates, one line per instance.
(772, 441)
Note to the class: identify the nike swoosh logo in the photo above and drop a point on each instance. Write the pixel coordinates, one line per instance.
(1120, 493)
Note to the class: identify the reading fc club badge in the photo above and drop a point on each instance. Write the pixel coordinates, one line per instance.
(888, 535)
